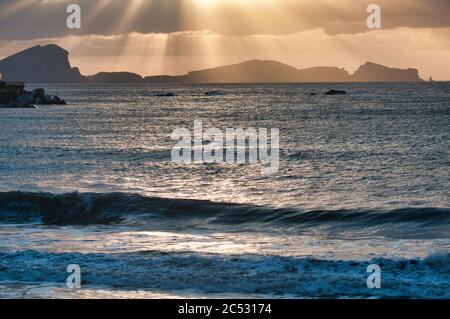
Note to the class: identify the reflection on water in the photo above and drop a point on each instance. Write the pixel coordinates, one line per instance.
(372, 166)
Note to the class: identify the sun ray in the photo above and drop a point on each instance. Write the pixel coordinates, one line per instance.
(15, 7)
(95, 11)
(132, 9)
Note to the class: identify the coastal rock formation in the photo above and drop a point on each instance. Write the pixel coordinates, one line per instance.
(14, 95)
(10, 91)
(40, 64)
(335, 92)
(39, 97)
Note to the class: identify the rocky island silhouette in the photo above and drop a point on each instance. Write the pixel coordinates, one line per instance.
(50, 64)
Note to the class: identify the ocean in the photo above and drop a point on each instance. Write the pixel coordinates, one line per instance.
(363, 180)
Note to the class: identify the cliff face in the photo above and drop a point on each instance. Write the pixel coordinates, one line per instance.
(46, 64)
(371, 72)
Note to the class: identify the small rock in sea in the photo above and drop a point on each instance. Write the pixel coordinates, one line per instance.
(161, 94)
(313, 93)
(57, 100)
(38, 96)
(168, 94)
(335, 92)
(214, 93)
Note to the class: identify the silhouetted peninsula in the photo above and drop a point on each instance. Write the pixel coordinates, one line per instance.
(44, 64)
(50, 64)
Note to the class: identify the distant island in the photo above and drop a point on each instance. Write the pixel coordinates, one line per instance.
(50, 64)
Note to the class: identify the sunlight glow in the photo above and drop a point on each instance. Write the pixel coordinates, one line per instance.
(152, 37)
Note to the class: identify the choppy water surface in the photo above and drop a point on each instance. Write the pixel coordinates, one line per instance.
(364, 178)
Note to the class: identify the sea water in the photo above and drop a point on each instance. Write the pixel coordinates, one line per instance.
(363, 179)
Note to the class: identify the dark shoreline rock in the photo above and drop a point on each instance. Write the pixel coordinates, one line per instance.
(336, 92)
(14, 95)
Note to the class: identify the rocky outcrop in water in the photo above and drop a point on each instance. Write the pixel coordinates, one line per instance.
(14, 95)
(10, 91)
(335, 92)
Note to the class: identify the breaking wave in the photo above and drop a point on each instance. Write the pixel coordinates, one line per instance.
(114, 208)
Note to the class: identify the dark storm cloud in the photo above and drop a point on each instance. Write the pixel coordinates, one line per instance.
(35, 19)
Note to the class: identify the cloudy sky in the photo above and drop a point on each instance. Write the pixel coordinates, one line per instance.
(175, 36)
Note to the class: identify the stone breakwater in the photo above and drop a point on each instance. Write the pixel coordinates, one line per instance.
(14, 95)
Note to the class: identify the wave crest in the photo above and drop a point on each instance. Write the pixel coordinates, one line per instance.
(112, 208)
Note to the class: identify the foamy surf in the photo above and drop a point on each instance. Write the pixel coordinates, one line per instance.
(148, 246)
(209, 274)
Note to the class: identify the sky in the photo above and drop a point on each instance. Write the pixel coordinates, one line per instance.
(152, 37)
